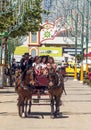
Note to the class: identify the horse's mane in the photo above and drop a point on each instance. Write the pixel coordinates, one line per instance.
(23, 74)
(27, 71)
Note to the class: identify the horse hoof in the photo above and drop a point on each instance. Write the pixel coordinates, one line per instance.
(23, 115)
(29, 113)
(26, 114)
(42, 116)
(52, 116)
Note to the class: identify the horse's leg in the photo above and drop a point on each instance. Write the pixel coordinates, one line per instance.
(29, 110)
(20, 107)
(25, 104)
(52, 107)
(23, 110)
(22, 104)
(57, 105)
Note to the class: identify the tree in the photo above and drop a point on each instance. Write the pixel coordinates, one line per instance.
(30, 23)
(30, 13)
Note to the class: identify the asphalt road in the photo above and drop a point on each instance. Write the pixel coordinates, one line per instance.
(76, 111)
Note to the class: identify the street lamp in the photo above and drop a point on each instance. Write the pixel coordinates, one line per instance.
(82, 38)
(75, 19)
(87, 32)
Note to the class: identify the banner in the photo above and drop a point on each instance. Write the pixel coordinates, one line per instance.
(55, 52)
(71, 51)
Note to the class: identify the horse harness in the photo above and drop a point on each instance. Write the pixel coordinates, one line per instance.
(21, 84)
(57, 84)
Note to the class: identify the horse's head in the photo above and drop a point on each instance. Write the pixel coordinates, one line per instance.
(53, 79)
(28, 77)
(30, 74)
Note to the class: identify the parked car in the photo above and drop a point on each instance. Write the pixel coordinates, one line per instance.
(70, 69)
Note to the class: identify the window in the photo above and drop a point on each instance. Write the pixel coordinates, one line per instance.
(33, 52)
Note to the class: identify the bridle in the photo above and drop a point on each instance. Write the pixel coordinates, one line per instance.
(56, 79)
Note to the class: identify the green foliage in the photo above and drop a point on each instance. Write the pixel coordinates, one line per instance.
(6, 20)
(30, 23)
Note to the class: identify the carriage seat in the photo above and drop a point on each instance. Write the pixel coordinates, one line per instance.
(41, 80)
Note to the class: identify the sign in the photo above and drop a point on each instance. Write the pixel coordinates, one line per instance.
(20, 50)
(55, 52)
(51, 30)
(71, 51)
(47, 32)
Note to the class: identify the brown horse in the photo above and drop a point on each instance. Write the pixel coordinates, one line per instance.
(55, 89)
(24, 88)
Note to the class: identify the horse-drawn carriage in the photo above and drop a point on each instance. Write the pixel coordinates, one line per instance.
(33, 85)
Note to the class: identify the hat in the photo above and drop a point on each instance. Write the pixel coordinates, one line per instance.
(26, 54)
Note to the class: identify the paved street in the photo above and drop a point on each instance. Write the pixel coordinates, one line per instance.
(76, 111)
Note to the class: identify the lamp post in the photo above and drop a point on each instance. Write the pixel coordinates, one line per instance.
(76, 27)
(76, 38)
(82, 39)
(87, 34)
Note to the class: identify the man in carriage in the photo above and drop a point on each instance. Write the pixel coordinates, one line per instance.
(25, 62)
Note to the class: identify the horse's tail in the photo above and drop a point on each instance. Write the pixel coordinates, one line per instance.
(64, 89)
(62, 81)
(17, 84)
(16, 87)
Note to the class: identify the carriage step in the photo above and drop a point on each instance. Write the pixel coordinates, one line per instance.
(44, 94)
(40, 104)
(41, 99)
(38, 101)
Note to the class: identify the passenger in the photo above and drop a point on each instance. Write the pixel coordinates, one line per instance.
(51, 63)
(37, 65)
(43, 62)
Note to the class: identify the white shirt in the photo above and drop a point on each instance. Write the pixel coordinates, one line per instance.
(36, 65)
(43, 65)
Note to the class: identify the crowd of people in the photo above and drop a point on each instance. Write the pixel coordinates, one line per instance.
(40, 64)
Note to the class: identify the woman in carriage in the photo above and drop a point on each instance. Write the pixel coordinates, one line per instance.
(40, 70)
(51, 65)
